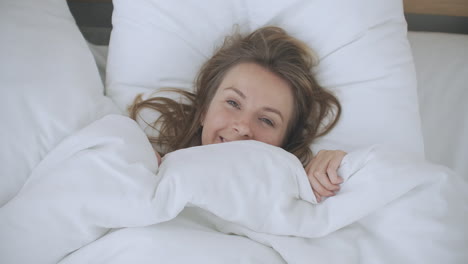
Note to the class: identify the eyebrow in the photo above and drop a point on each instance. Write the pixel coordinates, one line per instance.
(241, 94)
(266, 108)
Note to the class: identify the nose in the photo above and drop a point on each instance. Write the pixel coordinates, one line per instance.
(243, 128)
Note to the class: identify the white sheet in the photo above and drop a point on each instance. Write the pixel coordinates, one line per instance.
(189, 238)
(393, 208)
(100, 57)
(442, 70)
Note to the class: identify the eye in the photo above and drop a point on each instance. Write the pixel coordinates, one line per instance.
(233, 103)
(267, 121)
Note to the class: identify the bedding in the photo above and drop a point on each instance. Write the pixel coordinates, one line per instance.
(100, 197)
(50, 87)
(100, 57)
(442, 71)
(365, 58)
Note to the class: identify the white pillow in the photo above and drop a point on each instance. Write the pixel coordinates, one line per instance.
(50, 85)
(364, 56)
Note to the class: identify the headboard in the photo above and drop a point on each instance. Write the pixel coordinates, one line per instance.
(449, 16)
(437, 7)
(94, 17)
(428, 7)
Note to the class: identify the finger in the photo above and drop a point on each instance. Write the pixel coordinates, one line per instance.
(328, 166)
(318, 188)
(317, 196)
(332, 172)
(324, 180)
(332, 169)
(319, 169)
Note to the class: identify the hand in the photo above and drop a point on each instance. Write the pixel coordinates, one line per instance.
(322, 173)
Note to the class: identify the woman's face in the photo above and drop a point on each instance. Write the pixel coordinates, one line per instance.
(250, 103)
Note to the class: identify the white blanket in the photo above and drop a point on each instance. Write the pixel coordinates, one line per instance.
(99, 197)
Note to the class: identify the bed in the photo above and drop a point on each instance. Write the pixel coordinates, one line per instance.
(80, 182)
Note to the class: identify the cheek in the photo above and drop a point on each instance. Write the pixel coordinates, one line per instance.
(214, 121)
(215, 118)
(272, 137)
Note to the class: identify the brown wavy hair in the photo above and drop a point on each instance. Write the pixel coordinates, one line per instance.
(316, 110)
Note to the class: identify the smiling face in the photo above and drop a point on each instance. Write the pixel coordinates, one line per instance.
(250, 103)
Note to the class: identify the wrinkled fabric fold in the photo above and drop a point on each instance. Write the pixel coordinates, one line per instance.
(106, 177)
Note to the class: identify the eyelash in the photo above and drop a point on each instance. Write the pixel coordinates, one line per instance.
(233, 103)
(264, 120)
(267, 121)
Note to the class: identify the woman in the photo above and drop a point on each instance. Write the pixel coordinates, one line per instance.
(257, 87)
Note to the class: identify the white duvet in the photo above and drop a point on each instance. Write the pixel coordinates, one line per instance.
(99, 197)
